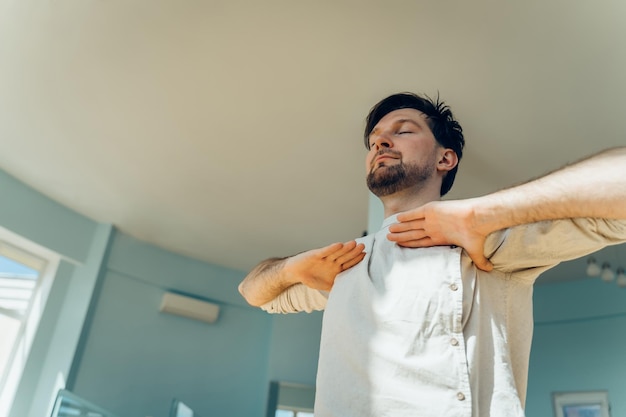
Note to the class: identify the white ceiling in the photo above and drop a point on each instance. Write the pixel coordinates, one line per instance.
(230, 131)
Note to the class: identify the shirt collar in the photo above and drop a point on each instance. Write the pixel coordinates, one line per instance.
(389, 221)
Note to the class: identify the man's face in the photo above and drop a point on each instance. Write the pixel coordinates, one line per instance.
(403, 153)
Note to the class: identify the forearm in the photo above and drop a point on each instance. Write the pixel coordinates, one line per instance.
(265, 282)
(594, 187)
(316, 269)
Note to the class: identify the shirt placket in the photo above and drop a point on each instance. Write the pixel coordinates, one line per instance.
(463, 396)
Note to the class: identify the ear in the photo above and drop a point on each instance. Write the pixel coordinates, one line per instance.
(447, 160)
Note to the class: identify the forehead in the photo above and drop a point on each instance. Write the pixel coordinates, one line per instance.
(402, 114)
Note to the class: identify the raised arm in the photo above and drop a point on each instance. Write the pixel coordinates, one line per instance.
(593, 187)
(316, 269)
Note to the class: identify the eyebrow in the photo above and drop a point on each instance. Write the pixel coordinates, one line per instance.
(398, 122)
(402, 121)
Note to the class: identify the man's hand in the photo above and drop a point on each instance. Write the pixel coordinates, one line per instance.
(592, 187)
(443, 223)
(318, 268)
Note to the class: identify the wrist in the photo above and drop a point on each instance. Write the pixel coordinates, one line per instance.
(290, 273)
(490, 213)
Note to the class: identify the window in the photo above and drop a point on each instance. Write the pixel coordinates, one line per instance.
(581, 404)
(291, 399)
(26, 273)
(17, 285)
(292, 413)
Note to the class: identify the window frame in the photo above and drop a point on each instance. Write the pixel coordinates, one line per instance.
(46, 262)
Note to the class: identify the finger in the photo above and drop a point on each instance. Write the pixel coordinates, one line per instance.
(407, 236)
(345, 248)
(355, 252)
(479, 260)
(410, 215)
(408, 225)
(349, 264)
(424, 242)
(482, 263)
(329, 250)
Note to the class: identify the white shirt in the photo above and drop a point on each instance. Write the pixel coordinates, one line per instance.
(423, 332)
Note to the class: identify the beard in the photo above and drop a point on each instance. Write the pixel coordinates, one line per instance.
(384, 181)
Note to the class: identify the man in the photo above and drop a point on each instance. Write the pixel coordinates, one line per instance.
(432, 315)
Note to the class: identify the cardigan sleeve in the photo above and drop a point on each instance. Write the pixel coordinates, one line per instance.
(528, 250)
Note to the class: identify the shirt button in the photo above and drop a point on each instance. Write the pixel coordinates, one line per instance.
(454, 287)
(454, 342)
(460, 396)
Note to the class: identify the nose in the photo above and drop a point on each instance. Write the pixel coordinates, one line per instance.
(382, 141)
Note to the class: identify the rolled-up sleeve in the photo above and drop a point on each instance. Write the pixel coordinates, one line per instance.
(297, 298)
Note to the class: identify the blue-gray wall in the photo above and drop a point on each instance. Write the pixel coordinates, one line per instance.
(136, 359)
(102, 329)
(579, 343)
(82, 244)
(103, 334)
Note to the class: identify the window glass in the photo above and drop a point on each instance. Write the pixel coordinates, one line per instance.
(17, 285)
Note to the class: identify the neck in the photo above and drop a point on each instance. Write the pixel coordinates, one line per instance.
(406, 200)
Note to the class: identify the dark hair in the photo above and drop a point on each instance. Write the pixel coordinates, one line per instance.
(447, 131)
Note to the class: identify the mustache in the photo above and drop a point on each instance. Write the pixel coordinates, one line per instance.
(385, 151)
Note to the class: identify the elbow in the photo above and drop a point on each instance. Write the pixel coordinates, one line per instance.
(254, 302)
(242, 291)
